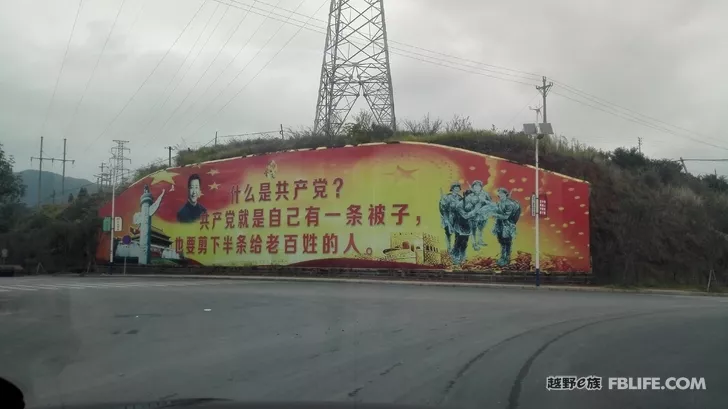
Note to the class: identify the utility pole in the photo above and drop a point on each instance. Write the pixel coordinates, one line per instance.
(64, 160)
(215, 138)
(544, 90)
(639, 144)
(169, 148)
(683, 163)
(40, 160)
(281, 131)
(40, 168)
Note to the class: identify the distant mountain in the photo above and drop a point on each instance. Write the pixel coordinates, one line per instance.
(49, 182)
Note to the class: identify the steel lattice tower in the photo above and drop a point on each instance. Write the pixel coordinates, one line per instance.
(356, 63)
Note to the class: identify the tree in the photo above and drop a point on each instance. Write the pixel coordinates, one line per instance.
(715, 182)
(82, 194)
(11, 185)
(459, 124)
(631, 159)
(11, 190)
(425, 126)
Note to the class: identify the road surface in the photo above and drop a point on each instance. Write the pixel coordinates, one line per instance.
(80, 340)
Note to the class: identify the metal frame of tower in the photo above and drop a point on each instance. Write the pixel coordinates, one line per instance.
(356, 63)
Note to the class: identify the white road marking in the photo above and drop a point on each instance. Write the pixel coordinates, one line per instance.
(17, 288)
(38, 283)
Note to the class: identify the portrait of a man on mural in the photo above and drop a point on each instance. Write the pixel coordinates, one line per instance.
(192, 209)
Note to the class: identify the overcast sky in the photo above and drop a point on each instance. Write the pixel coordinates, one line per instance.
(662, 58)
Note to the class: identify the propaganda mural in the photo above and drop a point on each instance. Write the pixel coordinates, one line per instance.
(401, 205)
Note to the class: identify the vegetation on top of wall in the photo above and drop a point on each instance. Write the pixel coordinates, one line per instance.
(651, 223)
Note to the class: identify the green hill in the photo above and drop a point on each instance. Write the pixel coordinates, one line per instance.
(51, 182)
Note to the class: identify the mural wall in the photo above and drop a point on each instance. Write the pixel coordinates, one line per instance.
(404, 205)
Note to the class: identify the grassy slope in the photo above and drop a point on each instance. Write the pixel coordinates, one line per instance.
(650, 223)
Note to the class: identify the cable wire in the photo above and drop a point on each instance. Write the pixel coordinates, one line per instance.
(261, 69)
(63, 64)
(153, 114)
(604, 102)
(641, 122)
(227, 86)
(118, 114)
(245, 45)
(214, 60)
(93, 72)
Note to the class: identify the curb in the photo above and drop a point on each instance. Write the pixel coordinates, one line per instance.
(425, 284)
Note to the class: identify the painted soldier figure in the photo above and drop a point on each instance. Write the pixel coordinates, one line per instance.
(507, 213)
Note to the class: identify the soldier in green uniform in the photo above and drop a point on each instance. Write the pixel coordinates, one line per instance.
(507, 213)
(448, 203)
(479, 208)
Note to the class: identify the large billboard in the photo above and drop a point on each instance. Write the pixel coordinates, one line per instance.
(399, 205)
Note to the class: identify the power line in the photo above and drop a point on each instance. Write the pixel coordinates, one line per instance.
(225, 69)
(118, 114)
(262, 68)
(605, 102)
(63, 64)
(226, 87)
(639, 121)
(510, 122)
(518, 73)
(398, 51)
(214, 60)
(153, 114)
(96, 66)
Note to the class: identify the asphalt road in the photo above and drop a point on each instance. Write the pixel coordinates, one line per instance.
(80, 340)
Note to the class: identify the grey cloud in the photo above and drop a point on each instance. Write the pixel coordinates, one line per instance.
(662, 58)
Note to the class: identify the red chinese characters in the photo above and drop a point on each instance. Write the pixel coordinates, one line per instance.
(274, 217)
(353, 215)
(264, 192)
(243, 218)
(319, 188)
(299, 185)
(401, 213)
(312, 216)
(191, 244)
(281, 190)
(256, 242)
(376, 215)
(230, 219)
(292, 217)
(202, 245)
(330, 243)
(258, 218)
(227, 244)
(291, 243)
(309, 243)
(272, 244)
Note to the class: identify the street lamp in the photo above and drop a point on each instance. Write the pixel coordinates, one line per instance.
(538, 131)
